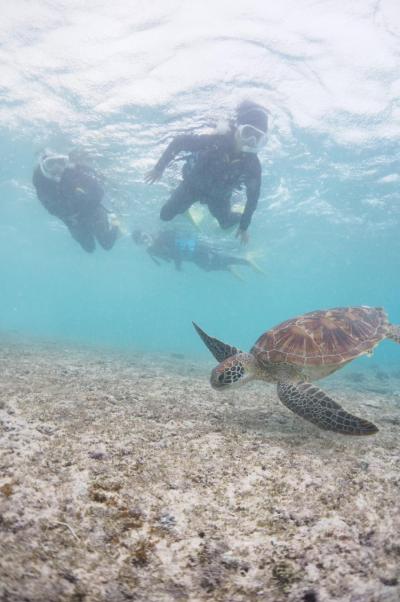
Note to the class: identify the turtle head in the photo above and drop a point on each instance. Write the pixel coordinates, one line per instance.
(234, 371)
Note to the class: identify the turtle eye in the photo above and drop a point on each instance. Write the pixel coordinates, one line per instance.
(221, 378)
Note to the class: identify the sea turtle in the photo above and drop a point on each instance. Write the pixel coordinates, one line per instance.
(304, 349)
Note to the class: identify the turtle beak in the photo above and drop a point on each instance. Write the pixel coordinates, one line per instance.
(227, 374)
(217, 379)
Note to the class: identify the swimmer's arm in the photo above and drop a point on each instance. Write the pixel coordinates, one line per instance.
(186, 142)
(149, 250)
(253, 186)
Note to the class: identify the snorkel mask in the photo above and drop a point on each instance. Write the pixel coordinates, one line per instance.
(252, 127)
(53, 166)
(249, 138)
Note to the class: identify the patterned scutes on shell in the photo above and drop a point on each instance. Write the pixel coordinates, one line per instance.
(319, 338)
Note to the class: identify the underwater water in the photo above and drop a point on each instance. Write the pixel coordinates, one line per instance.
(124, 475)
(326, 230)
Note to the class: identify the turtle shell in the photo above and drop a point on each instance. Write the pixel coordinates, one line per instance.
(334, 336)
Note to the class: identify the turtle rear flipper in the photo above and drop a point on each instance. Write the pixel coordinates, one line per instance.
(394, 333)
(314, 405)
(221, 351)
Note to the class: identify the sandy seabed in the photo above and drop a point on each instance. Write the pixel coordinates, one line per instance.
(126, 477)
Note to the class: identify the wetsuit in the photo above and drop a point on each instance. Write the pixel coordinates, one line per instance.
(76, 200)
(210, 259)
(176, 247)
(212, 172)
(164, 247)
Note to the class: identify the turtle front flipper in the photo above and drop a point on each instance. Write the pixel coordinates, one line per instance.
(314, 405)
(221, 351)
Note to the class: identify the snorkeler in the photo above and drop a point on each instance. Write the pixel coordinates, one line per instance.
(72, 192)
(217, 165)
(172, 245)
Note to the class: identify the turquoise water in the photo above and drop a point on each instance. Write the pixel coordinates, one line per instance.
(326, 231)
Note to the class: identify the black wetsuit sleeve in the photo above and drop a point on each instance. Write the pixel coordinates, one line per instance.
(253, 185)
(188, 143)
(47, 192)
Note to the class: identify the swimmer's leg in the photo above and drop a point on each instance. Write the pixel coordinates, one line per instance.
(221, 210)
(81, 232)
(105, 231)
(179, 202)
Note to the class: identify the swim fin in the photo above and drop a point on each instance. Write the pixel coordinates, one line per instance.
(195, 215)
(115, 223)
(236, 273)
(250, 257)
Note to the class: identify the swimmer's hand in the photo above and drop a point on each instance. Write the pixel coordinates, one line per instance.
(243, 236)
(153, 175)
